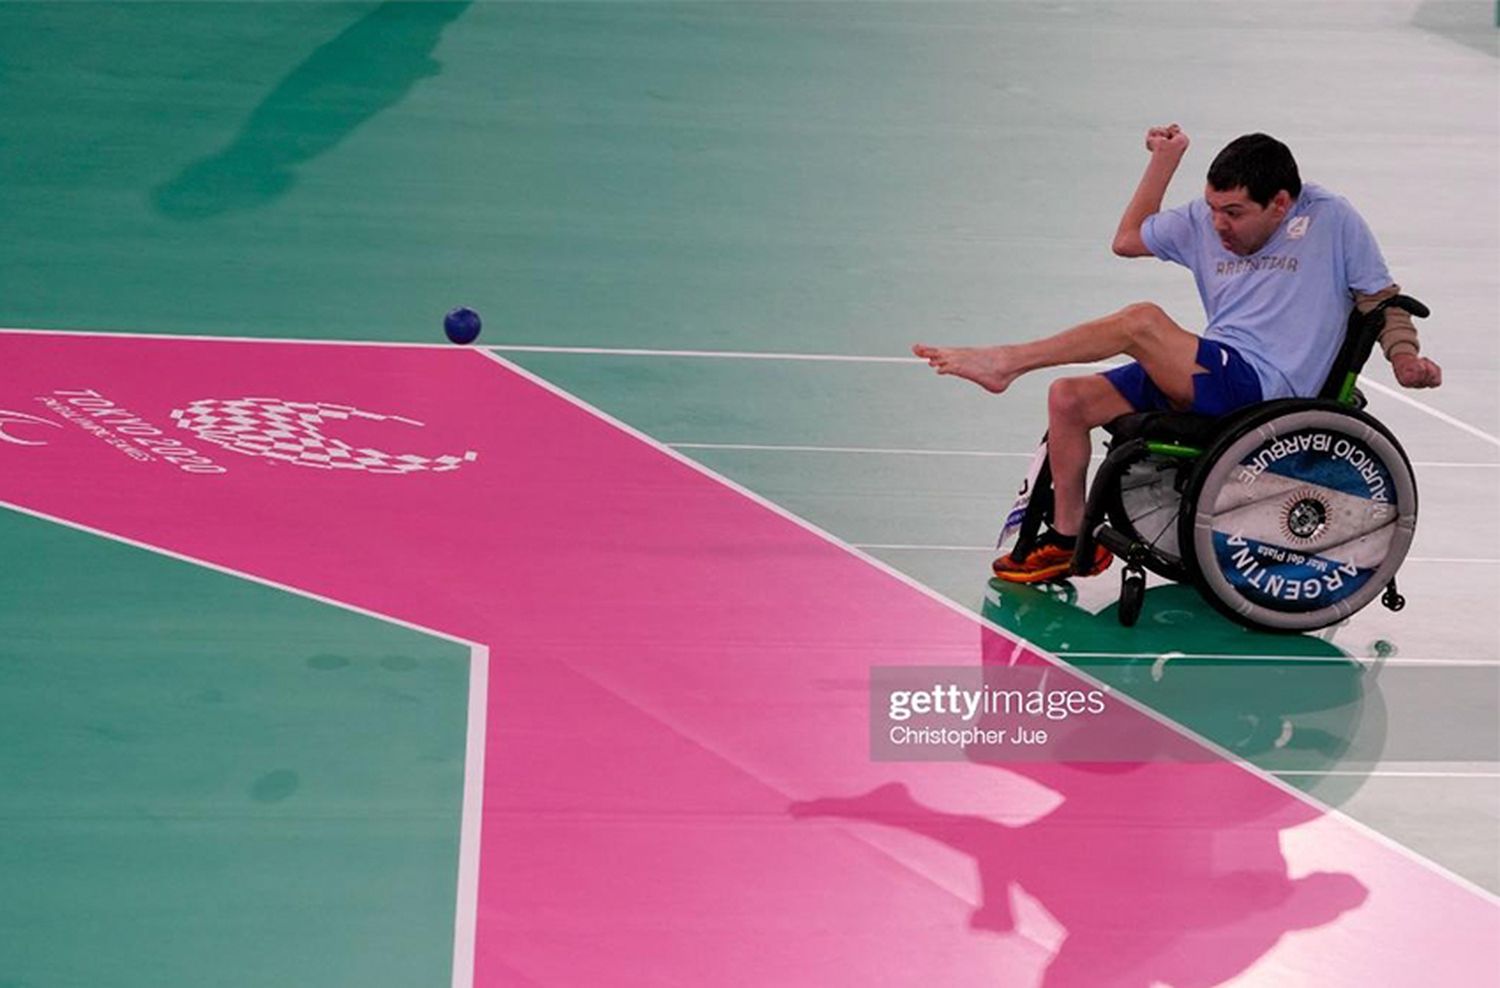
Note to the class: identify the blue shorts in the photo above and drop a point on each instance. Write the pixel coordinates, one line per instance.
(1227, 383)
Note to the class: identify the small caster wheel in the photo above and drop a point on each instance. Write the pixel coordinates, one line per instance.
(1132, 595)
(1392, 599)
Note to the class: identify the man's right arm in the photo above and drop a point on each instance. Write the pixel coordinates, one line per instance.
(1167, 146)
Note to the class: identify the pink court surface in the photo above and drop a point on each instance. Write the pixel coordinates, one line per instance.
(670, 778)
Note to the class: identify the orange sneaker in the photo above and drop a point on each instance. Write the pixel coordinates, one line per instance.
(1048, 562)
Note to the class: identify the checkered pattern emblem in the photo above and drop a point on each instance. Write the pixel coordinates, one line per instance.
(291, 431)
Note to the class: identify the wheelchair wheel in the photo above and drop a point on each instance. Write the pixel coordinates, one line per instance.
(1145, 507)
(1299, 515)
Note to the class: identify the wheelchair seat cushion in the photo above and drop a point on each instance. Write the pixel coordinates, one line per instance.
(1187, 428)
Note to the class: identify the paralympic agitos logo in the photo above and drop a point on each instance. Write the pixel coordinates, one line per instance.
(10, 419)
(299, 433)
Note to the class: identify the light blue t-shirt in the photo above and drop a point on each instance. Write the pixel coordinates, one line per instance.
(1284, 308)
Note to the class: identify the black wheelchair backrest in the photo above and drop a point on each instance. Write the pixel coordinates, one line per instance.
(1359, 339)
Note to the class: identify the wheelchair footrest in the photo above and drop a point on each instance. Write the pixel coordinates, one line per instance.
(1132, 552)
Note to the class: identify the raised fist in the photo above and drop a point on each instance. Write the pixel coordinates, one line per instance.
(1168, 139)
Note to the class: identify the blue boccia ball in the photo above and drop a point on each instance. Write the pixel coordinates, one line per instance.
(462, 325)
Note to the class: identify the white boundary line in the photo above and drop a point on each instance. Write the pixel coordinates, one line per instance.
(1391, 775)
(917, 547)
(1390, 392)
(837, 358)
(601, 351)
(872, 450)
(868, 359)
(899, 451)
(471, 813)
(1369, 661)
(702, 354)
(206, 338)
(230, 571)
(582, 351)
(466, 918)
(1290, 790)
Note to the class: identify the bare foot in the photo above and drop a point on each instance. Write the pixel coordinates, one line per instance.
(990, 367)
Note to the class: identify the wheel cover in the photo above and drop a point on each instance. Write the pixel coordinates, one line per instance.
(1303, 519)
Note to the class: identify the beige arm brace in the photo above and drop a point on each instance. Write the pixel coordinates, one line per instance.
(1399, 335)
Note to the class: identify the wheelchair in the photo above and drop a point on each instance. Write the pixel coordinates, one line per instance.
(1288, 515)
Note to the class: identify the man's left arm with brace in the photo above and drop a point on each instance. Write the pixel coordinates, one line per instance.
(1400, 343)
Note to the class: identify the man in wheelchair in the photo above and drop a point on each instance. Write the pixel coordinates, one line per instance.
(1279, 266)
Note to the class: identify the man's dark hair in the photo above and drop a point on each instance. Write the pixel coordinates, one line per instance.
(1260, 163)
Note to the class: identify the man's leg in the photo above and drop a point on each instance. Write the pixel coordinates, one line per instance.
(1075, 405)
(1143, 331)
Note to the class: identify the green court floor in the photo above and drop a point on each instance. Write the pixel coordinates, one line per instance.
(186, 755)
